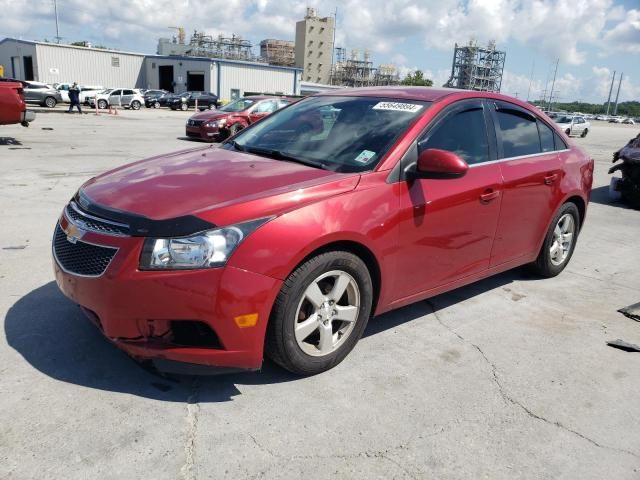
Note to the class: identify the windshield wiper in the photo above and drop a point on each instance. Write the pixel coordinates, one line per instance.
(279, 155)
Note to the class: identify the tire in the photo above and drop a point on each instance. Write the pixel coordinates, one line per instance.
(308, 336)
(50, 102)
(547, 264)
(102, 104)
(584, 133)
(156, 105)
(135, 105)
(184, 107)
(212, 106)
(568, 132)
(235, 128)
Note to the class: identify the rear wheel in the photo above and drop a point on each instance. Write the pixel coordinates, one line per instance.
(559, 242)
(50, 102)
(135, 105)
(320, 313)
(584, 132)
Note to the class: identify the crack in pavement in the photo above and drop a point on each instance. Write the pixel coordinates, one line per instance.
(509, 399)
(193, 409)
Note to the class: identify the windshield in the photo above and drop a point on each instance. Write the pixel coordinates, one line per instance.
(104, 92)
(344, 134)
(237, 106)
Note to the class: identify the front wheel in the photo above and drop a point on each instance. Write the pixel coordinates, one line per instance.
(320, 313)
(102, 104)
(584, 132)
(156, 104)
(559, 242)
(568, 132)
(50, 102)
(184, 107)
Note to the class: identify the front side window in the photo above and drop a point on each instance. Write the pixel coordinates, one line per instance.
(343, 134)
(519, 133)
(463, 133)
(266, 107)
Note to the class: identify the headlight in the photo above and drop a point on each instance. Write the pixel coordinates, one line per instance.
(202, 250)
(217, 123)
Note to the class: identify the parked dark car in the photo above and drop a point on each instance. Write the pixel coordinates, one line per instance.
(154, 98)
(41, 94)
(185, 100)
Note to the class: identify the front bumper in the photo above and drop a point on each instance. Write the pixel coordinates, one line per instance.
(136, 310)
(28, 116)
(204, 133)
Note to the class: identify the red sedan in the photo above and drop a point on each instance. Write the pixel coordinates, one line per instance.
(286, 239)
(230, 119)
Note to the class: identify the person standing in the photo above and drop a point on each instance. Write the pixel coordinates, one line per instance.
(74, 97)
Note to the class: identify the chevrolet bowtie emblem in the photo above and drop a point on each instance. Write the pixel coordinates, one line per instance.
(73, 233)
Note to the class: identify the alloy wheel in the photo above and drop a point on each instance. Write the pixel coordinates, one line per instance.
(563, 234)
(327, 313)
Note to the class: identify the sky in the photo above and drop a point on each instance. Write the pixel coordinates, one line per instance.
(590, 38)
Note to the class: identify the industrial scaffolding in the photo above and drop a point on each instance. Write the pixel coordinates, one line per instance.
(477, 68)
(233, 48)
(356, 72)
(278, 52)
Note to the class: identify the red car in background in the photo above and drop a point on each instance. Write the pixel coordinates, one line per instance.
(288, 237)
(13, 108)
(224, 122)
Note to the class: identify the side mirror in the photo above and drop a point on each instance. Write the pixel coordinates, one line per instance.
(439, 164)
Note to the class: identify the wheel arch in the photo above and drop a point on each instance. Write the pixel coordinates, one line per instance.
(579, 202)
(359, 250)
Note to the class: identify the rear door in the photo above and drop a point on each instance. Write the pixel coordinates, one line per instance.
(531, 170)
(447, 226)
(127, 96)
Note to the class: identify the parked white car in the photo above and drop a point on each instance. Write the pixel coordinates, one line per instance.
(573, 125)
(85, 91)
(120, 97)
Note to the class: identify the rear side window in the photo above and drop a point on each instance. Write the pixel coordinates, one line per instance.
(546, 137)
(464, 134)
(519, 133)
(559, 142)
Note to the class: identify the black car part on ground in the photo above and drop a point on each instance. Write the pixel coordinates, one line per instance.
(629, 185)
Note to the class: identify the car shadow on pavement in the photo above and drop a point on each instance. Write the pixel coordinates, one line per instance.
(54, 337)
(601, 195)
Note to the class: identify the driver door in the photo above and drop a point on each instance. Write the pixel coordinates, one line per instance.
(447, 226)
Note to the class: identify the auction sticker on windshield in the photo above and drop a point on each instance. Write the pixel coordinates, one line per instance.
(365, 156)
(398, 107)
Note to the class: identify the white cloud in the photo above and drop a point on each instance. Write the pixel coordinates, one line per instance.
(625, 35)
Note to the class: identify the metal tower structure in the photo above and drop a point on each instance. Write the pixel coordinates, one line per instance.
(477, 68)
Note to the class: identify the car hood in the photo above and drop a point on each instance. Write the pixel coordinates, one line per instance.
(209, 115)
(211, 183)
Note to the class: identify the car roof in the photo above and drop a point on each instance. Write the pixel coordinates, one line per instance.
(426, 94)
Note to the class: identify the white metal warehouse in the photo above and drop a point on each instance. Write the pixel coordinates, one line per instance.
(56, 63)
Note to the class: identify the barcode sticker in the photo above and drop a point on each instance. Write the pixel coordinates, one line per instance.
(398, 107)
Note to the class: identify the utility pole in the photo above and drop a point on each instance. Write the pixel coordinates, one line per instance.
(610, 90)
(55, 9)
(533, 66)
(553, 84)
(615, 108)
(333, 47)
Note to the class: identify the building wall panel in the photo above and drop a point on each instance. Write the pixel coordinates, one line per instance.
(249, 78)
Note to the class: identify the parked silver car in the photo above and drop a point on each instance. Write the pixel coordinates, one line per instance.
(573, 125)
(41, 94)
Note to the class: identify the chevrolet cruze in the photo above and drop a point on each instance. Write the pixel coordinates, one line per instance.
(288, 237)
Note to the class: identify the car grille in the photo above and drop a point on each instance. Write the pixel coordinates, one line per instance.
(195, 123)
(193, 134)
(81, 258)
(89, 222)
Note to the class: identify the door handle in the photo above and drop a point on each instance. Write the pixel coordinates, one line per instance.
(489, 195)
(550, 179)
